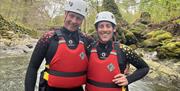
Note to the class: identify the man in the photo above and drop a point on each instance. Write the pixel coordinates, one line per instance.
(64, 50)
(108, 60)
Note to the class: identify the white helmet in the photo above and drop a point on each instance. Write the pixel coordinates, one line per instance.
(77, 6)
(105, 16)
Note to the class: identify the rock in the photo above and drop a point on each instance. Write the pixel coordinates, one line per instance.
(162, 73)
(137, 30)
(130, 38)
(173, 28)
(25, 51)
(171, 49)
(145, 18)
(159, 35)
(16, 28)
(29, 46)
(150, 43)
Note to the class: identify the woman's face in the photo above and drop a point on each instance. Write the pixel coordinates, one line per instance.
(105, 31)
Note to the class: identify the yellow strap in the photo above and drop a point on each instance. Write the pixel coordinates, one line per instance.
(46, 76)
(123, 88)
(47, 66)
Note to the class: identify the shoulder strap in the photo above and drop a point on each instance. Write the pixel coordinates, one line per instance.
(58, 33)
(53, 45)
(94, 44)
(120, 56)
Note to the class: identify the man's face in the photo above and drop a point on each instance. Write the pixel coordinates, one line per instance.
(72, 21)
(105, 31)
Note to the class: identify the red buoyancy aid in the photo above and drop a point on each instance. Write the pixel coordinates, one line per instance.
(68, 67)
(101, 72)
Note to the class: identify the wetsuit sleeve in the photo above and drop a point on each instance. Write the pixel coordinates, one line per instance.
(37, 57)
(141, 67)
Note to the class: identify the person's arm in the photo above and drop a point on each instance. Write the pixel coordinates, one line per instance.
(36, 60)
(141, 67)
(135, 60)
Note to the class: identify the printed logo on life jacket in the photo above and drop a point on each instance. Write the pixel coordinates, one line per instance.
(103, 54)
(71, 43)
(82, 55)
(110, 67)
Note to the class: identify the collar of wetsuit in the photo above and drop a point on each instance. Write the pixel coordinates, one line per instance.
(66, 31)
(105, 45)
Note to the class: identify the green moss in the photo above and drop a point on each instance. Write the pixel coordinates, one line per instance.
(155, 33)
(17, 28)
(130, 38)
(151, 43)
(172, 46)
(171, 49)
(137, 29)
(164, 36)
(25, 30)
(159, 35)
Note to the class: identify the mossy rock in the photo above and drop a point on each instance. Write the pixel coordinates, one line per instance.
(137, 30)
(154, 33)
(130, 38)
(171, 49)
(17, 28)
(145, 18)
(138, 27)
(173, 46)
(160, 35)
(150, 43)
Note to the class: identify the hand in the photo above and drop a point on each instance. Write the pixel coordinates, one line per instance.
(89, 37)
(120, 79)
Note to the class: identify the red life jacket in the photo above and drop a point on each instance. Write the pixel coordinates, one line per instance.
(68, 67)
(101, 72)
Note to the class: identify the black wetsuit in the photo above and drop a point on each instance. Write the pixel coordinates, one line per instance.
(40, 52)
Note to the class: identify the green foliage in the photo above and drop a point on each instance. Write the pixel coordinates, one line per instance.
(110, 5)
(16, 28)
(161, 9)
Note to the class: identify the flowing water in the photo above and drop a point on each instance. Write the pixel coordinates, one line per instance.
(13, 69)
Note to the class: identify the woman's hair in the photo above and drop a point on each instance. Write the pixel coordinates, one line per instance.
(96, 25)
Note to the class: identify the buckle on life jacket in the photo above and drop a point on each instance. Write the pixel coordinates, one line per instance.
(46, 75)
